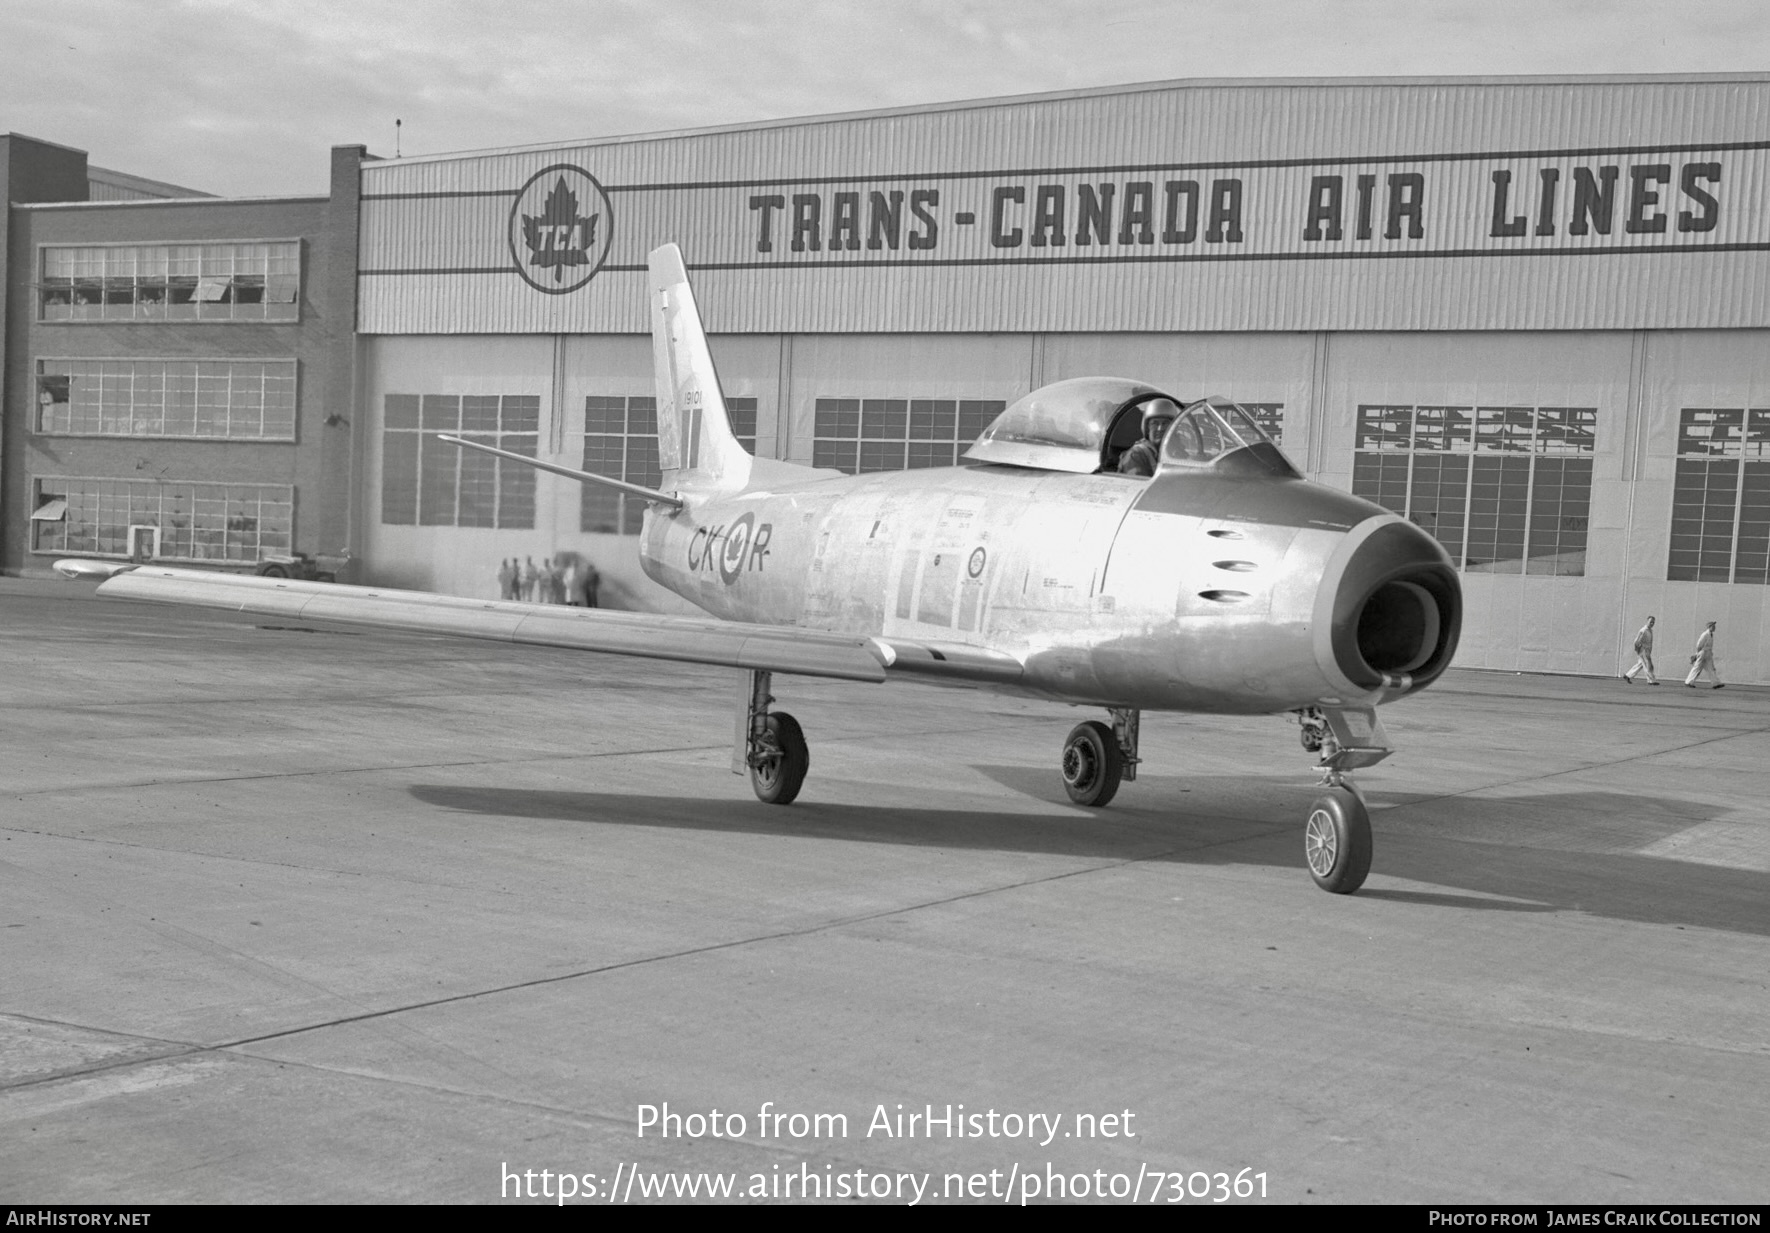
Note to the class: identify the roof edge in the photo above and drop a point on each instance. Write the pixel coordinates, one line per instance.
(162, 202)
(124, 179)
(59, 145)
(1056, 96)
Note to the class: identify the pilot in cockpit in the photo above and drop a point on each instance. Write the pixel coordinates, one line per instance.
(1141, 458)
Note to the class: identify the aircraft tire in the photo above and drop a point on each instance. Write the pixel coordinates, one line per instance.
(1092, 764)
(273, 571)
(1337, 841)
(779, 777)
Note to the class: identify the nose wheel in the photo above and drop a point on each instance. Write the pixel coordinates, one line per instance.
(1337, 841)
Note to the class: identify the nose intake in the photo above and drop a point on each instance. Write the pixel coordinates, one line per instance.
(1397, 612)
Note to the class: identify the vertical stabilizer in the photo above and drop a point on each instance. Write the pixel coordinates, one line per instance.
(695, 447)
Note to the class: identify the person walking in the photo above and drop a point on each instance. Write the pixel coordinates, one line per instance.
(592, 581)
(1704, 659)
(531, 580)
(1643, 656)
(507, 573)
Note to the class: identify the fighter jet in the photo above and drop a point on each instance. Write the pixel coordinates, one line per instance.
(1225, 583)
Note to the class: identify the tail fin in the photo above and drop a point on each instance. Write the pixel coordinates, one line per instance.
(696, 449)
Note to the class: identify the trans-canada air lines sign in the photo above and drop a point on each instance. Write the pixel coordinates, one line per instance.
(1444, 207)
(560, 245)
(560, 227)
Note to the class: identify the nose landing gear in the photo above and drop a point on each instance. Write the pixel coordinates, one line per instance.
(1337, 835)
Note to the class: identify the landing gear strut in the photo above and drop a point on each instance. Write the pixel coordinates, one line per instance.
(1337, 835)
(1097, 757)
(770, 744)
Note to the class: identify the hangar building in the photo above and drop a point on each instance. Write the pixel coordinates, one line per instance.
(1530, 314)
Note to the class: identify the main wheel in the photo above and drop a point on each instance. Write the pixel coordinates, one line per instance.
(778, 775)
(1092, 764)
(1337, 841)
(273, 571)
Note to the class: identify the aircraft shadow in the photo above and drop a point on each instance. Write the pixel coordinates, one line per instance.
(1622, 885)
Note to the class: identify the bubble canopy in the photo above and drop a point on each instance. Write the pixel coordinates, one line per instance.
(1082, 425)
(1211, 430)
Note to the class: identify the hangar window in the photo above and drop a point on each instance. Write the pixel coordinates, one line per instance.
(250, 400)
(428, 482)
(1506, 490)
(621, 442)
(195, 522)
(254, 281)
(1269, 416)
(858, 435)
(1721, 496)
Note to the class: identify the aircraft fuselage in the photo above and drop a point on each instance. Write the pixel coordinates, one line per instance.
(1186, 592)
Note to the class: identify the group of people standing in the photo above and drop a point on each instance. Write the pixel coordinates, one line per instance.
(1701, 661)
(561, 580)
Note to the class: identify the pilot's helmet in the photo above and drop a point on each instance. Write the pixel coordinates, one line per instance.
(1159, 413)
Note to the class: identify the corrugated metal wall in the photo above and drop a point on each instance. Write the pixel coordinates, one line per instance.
(1213, 206)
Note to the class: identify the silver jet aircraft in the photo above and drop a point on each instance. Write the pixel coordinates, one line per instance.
(1224, 584)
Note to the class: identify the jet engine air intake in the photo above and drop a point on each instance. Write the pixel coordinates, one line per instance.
(1398, 628)
(1397, 611)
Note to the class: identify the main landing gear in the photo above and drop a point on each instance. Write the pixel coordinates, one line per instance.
(1097, 757)
(1337, 836)
(770, 744)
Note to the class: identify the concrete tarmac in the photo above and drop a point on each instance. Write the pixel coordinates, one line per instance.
(298, 916)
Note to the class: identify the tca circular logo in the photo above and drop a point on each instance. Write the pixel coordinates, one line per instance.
(559, 230)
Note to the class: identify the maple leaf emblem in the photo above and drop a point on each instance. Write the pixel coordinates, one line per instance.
(559, 236)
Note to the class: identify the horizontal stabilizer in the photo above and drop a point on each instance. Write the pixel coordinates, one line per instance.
(633, 490)
(698, 640)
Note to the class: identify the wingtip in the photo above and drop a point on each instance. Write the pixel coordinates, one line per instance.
(90, 571)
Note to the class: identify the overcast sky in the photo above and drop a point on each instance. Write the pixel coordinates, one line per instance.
(244, 97)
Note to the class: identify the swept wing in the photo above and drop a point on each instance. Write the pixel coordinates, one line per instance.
(701, 640)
